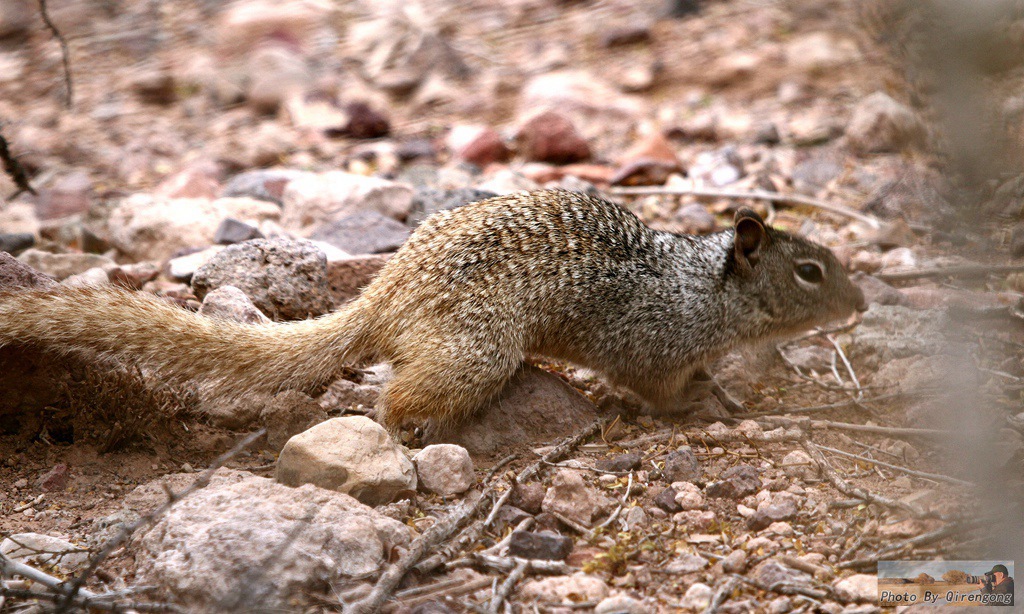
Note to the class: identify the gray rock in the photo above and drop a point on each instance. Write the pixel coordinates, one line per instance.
(345, 394)
(16, 242)
(287, 280)
(39, 550)
(429, 201)
(353, 455)
(528, 497)
(230, 303)
(681, 466)
(287, 414)
(686, 563)
(445, 469)
(695, 219)
(666, 500)
(63, 266)
(233, 231)
(536, 406)
(697, 598)
(246, 543)
(890, 332)
(735, 561)
(621, 462)
(782, 506)
(571, 497)
(880, 124)
(772, 572)
(620, 604)
(312, 201)
(799, 464)
(545, 545)
(877, 291)
(364, 232)
(735, 483)
(263, 184)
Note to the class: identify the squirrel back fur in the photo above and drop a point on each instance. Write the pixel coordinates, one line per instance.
(470, 295)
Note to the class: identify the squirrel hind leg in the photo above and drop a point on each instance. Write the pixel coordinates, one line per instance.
(444, 388)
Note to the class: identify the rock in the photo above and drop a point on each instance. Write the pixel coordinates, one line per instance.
(144, 227)
(154, 85)
(620, 604)
(287, 414)
(877, 291)
(198, 180)
(571, 497)
(686, 563)
(263, 184)
(535, 406)
(666, 500)
(735, 561)
(182, 268)
(551, 137)
(819, 52)
(277, 72)
(18, 217)
(635, 518)
(54, 480)
(230, 303)
(16, 242)
(242, 27)
(313, 201)
(62, 266)
(344, 394)
(621, 462)
(735, 482)
(817, 171)
(782, 506)
(800, 465)
(697, 597)
(688, 496)
(287, 280)
(94, 277)
(528, 497)
(445, 469)
(545, 545)
(347, 277)
(431, 200)
(206, 548)
(563, 589)
(772, 572)
(695, 219)
(717, 168)
(365, 232)
(809, 358)
(478, 145)
(364, 122)
(353, 455)
(233, 231)
(581, 94)
(858, 587)
(69, 195)
(17, 274)
(641, 172)
(681, 466)
(880, 124)
(39, 550)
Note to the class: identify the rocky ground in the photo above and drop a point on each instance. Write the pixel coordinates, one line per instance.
(261, 160)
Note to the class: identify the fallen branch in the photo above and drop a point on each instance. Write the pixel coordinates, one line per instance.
(506, 587)
(891, 431)
(65, 53)
(962, 270)
(776, 197)
(921, 474)
(918, 540)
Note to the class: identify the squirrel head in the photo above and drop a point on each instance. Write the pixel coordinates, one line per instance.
(797, 284)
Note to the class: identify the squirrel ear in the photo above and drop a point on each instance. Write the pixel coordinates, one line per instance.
(750, 235)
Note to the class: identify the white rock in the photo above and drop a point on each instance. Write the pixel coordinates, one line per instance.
(95, 277)
(63, 266)
(38, 550)
(620, 604)
(147, 228)
(243, 25)
(445, 469)
(800, 465)
(183, 267)
(353, 455)
(209, 548)
(697, 597)
(820, 51)
(230, 303)
(570, 497)
(858, 587)
(688, 495)
(880, 124)
(314, 200)
(560, 589)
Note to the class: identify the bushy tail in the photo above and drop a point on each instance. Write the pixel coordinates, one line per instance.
(228, 358)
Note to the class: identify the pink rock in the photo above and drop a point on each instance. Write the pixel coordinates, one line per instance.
(551, 137)
(55, 479)
(479, 145)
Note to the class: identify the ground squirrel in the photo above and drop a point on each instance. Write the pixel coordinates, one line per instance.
(473, 293)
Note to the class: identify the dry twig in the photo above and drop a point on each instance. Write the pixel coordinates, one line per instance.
(921, 474)
(65, 53)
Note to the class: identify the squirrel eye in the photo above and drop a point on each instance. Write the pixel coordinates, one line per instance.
(810, 272)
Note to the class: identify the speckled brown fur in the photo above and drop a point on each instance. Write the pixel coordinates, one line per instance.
(472, 293)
